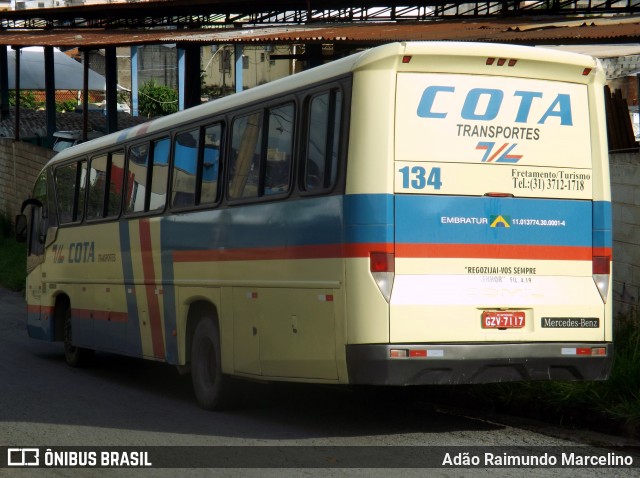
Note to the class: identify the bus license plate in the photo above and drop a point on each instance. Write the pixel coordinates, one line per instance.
(494, 319)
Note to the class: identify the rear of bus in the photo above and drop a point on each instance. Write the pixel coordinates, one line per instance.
(497, 212)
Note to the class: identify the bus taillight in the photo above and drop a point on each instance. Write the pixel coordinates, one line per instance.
(601, 271)
(382, 262)
(382, 266)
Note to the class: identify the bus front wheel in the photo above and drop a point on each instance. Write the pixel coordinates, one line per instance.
(212, 389)
(75, 356)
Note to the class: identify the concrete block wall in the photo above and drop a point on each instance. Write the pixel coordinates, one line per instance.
(625, 196)
(20, 164)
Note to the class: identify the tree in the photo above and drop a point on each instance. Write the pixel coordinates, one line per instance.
(157, 100)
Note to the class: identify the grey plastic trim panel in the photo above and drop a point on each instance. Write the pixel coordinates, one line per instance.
(475, 363)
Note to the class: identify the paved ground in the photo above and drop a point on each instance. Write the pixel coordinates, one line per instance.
(282, 430)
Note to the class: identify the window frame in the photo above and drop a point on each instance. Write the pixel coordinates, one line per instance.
(264, 110)
(300, 99)
(340, 164)
(150, 143)
(109, 154)
(79, 205)
(199, 176)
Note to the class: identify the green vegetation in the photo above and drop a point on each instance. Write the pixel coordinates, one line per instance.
(622, 400)
(12, 259)
(66, 106)
(157, 100)
(27, 99)
(609, 406)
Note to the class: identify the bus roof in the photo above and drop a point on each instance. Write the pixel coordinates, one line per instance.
(343, 66)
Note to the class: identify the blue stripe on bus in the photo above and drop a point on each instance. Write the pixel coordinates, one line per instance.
(169, 308)
(602, 233)
(133, 339)
(490, 220)
(333, 220)
(369, 219)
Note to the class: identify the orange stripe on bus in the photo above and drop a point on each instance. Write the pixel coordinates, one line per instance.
(149, 274)
(489, 251)
(329, 251)
(106, 315)
(36, 309)
(494, 251)
(602, 251)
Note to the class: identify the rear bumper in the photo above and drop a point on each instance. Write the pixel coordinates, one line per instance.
(447, 364)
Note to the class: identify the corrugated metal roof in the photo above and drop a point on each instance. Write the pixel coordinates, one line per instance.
(514, 30)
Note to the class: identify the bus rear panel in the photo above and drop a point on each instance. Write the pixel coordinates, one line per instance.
(501, 256)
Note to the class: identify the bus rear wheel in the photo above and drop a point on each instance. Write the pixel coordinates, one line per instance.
(213, 390)
(75, 356)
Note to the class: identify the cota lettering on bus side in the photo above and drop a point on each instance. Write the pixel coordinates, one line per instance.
(80, 252)
(485, 104)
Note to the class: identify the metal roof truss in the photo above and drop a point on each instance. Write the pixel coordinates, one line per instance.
(201, 14)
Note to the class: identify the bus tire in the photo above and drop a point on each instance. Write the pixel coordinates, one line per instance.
(213, 390)
(75, 356)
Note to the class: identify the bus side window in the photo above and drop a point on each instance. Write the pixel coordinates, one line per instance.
(323, 140)
(185, 168)
(136, 178)
(147, 187)
(70, 181)
(210, 164)
(244, 164)
(279, 150)
(105, 185)
(160, 174)
(97, 185)
(116, 176)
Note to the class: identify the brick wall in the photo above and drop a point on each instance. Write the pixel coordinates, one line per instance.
(20, 164)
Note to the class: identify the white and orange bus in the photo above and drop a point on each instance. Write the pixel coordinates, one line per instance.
(418, 213)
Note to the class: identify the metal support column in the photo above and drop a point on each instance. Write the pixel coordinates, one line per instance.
(4, 83)
(189, 81)
(314, 55)
(85, 94)
(182, 76)
(16, 132)
(111, 76)
(50, 93)
(134, 81)
(238, 72)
